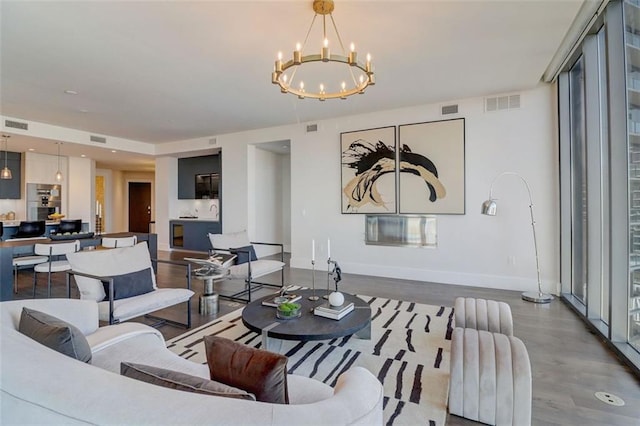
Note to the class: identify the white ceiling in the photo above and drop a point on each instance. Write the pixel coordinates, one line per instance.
(165, 71)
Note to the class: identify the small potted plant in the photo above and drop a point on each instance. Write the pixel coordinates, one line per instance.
(288, 310)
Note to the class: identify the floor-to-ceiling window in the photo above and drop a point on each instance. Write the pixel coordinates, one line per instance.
(578, 180)
(599, 107)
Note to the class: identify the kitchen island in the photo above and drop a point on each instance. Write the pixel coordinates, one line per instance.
(9, 249)
(10, 227)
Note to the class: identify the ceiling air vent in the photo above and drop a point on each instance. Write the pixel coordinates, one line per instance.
(500, 103)
(312, 128)
(449, 109)
(99, 139)
(16, 124)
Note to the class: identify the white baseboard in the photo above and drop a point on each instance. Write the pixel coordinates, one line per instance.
(443, 277)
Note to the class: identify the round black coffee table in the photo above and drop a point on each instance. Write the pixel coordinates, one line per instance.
(262, 319)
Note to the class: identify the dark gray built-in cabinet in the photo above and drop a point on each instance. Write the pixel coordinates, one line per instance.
(191, 234)
(190, 173)
(10, 188)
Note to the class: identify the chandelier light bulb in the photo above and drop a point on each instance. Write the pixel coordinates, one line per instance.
(368, 57)
(279, 56)
(321, 88)
(325, 43)
(343, 86)
(302, 85)
(285, 77)
(353, 47)
(298, 47)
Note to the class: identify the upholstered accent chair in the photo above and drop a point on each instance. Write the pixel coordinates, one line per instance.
(122, 282)
(481, 314)
(248, 267)
(490, 378)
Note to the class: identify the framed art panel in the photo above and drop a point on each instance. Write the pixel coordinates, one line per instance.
(431, 164)
(368, 177)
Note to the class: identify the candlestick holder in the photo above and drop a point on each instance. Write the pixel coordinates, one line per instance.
(313, 296)
(326, 296)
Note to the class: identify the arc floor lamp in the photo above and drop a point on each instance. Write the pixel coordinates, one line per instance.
(490, 208)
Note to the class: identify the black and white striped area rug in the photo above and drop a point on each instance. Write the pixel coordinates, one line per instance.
(408, 352)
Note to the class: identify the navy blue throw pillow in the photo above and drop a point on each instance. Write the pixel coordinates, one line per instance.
(243, 254)
(131, 284)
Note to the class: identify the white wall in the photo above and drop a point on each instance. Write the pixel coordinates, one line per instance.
(265, 197)
(472, 249)
(81, 183)
(166, 193)
(285, 168)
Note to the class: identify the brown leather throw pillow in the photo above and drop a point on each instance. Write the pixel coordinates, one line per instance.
(256, 371)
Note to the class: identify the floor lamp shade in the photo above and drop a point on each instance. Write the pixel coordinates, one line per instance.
(490, 208)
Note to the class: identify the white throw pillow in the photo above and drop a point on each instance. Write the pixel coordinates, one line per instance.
(104, 263)
(230, 240)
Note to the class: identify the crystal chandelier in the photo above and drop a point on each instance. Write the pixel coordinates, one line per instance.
(359, 75)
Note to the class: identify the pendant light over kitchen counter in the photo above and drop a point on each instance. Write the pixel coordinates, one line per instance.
(5, 173)
(59, 173)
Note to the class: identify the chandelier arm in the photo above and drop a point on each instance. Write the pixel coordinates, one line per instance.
(304, 44)
(335, 27)
(344, 52)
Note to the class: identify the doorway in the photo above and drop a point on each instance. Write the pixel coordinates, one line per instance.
(139, 206)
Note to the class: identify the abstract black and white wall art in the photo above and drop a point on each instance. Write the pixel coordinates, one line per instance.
(368, 181)
(431, 167)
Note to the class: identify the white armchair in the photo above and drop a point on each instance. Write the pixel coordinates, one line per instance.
(248, 267)
(123, 283)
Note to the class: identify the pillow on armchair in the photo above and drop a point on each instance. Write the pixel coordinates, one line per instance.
(244, 254)
(106, 263)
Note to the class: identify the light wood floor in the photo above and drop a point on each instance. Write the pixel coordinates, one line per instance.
(568, 362)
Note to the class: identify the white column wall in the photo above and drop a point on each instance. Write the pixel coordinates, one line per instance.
(81, 183)
(166, 195)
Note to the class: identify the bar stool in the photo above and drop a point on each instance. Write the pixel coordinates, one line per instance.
(116, 242)
(22, 261)
(50, 265)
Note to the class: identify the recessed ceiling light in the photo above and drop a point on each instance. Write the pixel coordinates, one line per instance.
(32, 149)
(113, 150)
(83, 156)
(84, 111)
(70, 92)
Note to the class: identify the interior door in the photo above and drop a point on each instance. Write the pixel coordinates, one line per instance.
(139, 206)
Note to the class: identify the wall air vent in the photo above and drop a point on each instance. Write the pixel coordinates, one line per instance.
(312, 128)
(449, 109)
(99, 139)
(500, 103)
(16, 124)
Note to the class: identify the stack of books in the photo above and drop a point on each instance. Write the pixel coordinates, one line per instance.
(333, 312)
(277, 300)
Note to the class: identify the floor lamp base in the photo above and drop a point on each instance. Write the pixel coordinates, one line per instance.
(536, 297)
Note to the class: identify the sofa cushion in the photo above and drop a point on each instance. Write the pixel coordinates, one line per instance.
(259, 268)
(181, 381)
(55, 334)
(131, 284)
(259, 372)
(106, 263)
(135, 306)
(244, 254)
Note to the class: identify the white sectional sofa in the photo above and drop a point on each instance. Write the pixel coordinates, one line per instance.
(41, 386)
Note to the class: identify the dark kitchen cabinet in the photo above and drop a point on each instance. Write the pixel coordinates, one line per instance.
(10, 188)
(192, 234)
(189, 168)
